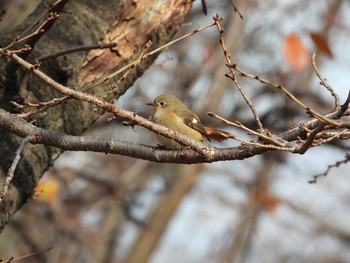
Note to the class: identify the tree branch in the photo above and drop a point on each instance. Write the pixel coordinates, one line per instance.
(76, 49)
(22, 128)
(232, 74)
(205, 151)
(12, 169)
(51, 13)
(66, 142)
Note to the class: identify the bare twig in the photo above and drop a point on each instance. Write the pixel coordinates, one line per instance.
(330, 136)
(325, 83)
(11, 171)
(232, 74)
(57, 7)
(48, 103)
(145, 56)
(137, 61)
(322, 126)
(294, 132)
(260, 145)
(236, 9)
(76, 49)
(33, 112)
(315, 177)
(275, 140)
(51, 16)
(41, 106)
(315, 114)
(14, 258)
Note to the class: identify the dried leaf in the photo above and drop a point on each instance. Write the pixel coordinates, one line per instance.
(296, 54)
(266, 199)
(321, 43)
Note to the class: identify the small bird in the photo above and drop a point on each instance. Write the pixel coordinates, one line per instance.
(173, 114)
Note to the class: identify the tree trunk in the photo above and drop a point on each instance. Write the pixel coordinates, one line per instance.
(131, 24)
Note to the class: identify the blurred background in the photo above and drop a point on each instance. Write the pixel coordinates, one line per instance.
(103, 208)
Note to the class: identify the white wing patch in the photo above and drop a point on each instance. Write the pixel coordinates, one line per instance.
(194, 121)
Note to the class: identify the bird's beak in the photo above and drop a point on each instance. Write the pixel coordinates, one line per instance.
(150, 104)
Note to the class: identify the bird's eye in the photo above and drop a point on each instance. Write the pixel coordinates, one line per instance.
(162, 103)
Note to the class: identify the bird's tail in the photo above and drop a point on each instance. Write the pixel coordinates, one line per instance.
(217, 135)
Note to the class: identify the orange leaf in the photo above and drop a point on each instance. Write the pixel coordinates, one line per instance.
(321, 43)
(46, 191)
(266, 199)
(296, 54)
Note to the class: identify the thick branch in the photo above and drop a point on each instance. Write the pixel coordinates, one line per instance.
(115, 146)
(23, 129)
(206, 152)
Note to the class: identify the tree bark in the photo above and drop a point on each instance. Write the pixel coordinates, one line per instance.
(80, 22)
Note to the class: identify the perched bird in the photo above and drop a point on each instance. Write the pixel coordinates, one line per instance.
(173, 114)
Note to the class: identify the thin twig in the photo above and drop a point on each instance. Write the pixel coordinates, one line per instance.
(325, 83)
(137, 61)
(276, 141)
(56, 101)
(48, 103)
(41, 106)
(331, 134)
(31, 39)
(14, 258)
(293, 132)
(51, 16)
(76, 49)
(330, 137)
(232, 76)
(264, 146)
(11, 171)
(236, 9)
(145, 56)
(33, 112)
(315, 177)
(37, 21)
(315, 114)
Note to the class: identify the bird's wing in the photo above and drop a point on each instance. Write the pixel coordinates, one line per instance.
(192, 121)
